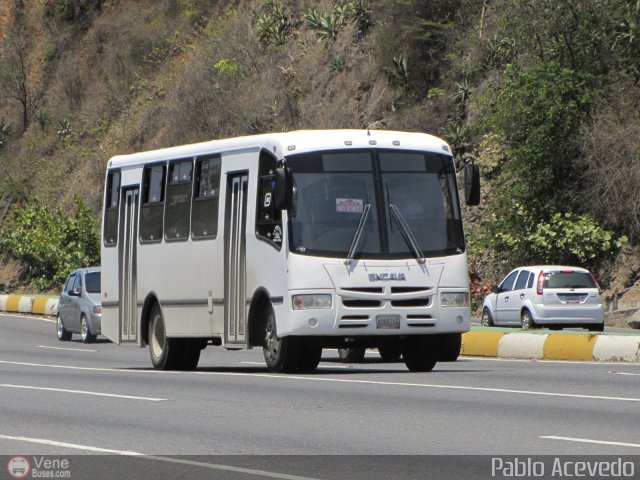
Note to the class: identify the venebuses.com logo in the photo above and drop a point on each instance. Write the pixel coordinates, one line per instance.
(18, 467)
(38, 467)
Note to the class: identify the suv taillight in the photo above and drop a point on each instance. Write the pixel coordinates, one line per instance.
(540, 283)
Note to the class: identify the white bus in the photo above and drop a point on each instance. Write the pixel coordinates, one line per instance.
(290, 242)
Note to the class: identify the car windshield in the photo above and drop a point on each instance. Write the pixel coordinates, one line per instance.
(92, 282)
(568, 279)
(332, 190)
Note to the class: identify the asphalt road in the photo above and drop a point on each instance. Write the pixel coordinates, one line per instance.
(67, 398)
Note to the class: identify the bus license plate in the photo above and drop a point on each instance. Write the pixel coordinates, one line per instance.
(388, 321)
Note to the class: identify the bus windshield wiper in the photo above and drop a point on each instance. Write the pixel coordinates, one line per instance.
(407, 234)
(358, 234)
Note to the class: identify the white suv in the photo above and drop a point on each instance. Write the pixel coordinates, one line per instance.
(547, 295)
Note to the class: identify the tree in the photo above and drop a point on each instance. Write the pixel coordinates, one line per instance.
(13, 75)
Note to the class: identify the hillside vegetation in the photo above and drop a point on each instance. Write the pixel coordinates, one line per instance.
(543, 95)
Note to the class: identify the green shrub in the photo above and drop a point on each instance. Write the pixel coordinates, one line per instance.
(564, 238)
(51, 243)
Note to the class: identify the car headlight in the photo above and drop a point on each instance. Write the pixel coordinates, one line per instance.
(97, 309)
(454, 299)
(307, 302)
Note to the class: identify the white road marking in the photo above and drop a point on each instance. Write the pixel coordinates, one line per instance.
(28, 317)
(587, 440)
(83, 392)
(68, 349)
(338, 380)
(212, 466)
(73, 446)
(625, 373)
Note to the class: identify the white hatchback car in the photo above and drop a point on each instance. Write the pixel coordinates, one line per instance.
(547, 295)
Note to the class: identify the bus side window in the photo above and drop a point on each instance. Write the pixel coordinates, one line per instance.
(151, 213)
(206, 194)
(176, 215)
(111, 203)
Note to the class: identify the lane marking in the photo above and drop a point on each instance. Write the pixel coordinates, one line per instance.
(28, 317)
(83, 392)
(68, 349)
(142, 456)
(340, 380)
(625, 373)
(587, 440)
(73, 446)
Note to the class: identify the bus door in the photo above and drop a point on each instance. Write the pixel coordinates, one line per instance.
(127, 259)
(235, 263)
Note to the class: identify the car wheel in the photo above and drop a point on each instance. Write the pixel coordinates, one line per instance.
(450, 344)
(63, 334)
(390, 353)
(526, 320)
(420, 353)
(280, 354)
(166, 353)
(598, 327)
(351, 355)
(85, 331)
(487, 319)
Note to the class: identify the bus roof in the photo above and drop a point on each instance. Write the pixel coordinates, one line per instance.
(289, 143)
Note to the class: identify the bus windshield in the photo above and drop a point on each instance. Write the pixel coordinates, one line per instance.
(332, 190)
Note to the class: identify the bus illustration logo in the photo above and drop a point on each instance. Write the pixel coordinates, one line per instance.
(18, 467)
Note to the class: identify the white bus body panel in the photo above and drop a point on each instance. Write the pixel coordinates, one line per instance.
(187, 277)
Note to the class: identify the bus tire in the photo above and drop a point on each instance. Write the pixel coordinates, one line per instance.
(166, 353)
(191, 355)
(450, 344)
(281, 354)
(351, 355)
(390, 353)
(420, 353)
(310, 356)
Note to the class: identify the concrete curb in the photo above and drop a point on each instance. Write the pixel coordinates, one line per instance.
(533, 346)
(29, 304)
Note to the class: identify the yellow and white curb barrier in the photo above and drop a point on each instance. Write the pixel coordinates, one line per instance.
(532, 346)
(26, 304)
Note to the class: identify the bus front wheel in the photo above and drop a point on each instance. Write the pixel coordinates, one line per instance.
(166, 353)
(281, 354)
(420, 353)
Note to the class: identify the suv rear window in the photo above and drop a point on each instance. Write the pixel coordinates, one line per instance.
(568, 280)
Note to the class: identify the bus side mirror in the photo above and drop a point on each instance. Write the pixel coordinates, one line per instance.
(472, 184)
(281, 189)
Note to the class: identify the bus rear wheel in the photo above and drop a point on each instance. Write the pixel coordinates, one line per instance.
(166, 353)
(420, 353)
(352, 354)
(390, 352)
(281, 354)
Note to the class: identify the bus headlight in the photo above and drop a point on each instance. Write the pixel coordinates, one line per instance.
(454, 299)
(308, 302)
